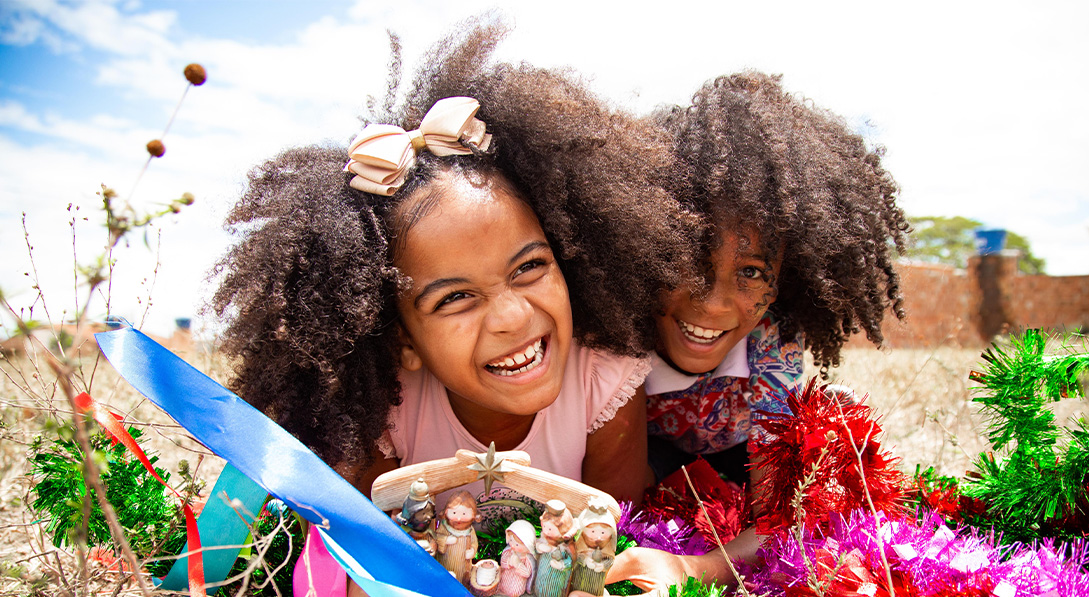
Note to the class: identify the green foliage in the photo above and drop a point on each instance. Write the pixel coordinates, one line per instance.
(1038, 484)
(951, 241)
(694, 587)
(60, 494)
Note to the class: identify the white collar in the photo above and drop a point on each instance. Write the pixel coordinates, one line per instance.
(664, 378)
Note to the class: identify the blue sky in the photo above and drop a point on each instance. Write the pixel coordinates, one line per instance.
(979, 104)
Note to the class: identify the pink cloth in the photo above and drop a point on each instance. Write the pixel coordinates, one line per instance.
(595, 385)
(317, 574)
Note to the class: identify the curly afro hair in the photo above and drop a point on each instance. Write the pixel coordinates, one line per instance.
(753, 155)
(309, 291)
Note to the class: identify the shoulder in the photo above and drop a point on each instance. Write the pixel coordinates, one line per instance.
(770, 353)
(605, 372)
(609, 381)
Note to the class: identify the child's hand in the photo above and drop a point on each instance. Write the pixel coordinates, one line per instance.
(649, 569)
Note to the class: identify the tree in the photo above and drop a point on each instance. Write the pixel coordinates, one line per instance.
(938, 239)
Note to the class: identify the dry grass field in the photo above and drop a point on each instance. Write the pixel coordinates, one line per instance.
(924, 398)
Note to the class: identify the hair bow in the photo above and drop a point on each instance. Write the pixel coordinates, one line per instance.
(381, 155)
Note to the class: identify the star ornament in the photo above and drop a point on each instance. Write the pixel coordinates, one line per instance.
(490, 468)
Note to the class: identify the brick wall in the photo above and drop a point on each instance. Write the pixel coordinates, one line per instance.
(968, 307)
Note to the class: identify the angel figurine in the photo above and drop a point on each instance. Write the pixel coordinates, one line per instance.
(455, 538)
(555, 553)
(596, 549)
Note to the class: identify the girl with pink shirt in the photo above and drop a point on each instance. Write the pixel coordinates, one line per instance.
(482, 270)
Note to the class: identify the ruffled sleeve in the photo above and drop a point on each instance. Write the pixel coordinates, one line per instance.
(613, 381)
(385, 445)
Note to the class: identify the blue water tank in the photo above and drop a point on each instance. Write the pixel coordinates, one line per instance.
(990, 241)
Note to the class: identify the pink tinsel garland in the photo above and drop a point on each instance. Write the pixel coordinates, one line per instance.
(926, 559)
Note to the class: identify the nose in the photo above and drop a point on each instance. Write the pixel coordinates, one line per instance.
(510, 312)
(717, 300)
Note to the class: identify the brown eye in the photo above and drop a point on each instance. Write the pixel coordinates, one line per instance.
(529, 266)
(751, 273)
(451, 298)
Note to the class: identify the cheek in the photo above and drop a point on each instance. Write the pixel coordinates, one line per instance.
(674, 302)
(677, 299)
(556, 292)
(758, 301)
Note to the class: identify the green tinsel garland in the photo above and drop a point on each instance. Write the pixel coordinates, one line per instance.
(144, 511)
(1040, 488)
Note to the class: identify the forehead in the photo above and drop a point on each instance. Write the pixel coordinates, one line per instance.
(456, 220)
(737, 241)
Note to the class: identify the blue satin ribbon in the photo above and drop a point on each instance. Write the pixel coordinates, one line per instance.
(281, 464)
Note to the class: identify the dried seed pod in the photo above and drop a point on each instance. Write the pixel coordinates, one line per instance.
(156, 148)
(195, 74)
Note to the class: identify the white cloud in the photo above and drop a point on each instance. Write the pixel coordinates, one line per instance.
(95, 24)
(978, 105)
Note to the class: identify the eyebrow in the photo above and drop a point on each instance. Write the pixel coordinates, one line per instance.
(529, 248)
(437, 285)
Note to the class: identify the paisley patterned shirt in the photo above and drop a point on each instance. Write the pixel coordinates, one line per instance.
(716, 411)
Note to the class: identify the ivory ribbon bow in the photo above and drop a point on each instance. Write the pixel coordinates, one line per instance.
(382, 154)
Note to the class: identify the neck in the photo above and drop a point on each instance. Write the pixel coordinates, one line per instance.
(487, 426)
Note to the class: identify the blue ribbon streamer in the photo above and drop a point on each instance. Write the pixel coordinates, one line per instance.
(280, 463)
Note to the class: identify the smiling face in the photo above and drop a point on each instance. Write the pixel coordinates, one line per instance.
(695, 331)
(487, 312)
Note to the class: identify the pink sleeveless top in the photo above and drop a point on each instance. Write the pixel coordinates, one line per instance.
(595, 385)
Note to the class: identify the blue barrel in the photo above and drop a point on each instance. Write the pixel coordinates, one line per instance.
(990, 241)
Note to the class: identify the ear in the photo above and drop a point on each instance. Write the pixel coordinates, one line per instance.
(410, 359)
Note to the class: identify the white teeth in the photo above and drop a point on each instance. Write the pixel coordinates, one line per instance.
(525, 360)
(699, 334)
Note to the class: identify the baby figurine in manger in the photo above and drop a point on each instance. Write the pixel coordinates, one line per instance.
(512, 469)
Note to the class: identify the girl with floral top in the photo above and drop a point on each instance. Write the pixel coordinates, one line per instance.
(802, 230)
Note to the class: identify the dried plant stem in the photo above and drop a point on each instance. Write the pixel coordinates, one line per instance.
(948, 433)
(37, 287)
(147, 163)
(91, 474)
(799, 520)
(741, 590)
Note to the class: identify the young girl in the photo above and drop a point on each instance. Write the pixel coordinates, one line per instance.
(802, 223)
(484, 279)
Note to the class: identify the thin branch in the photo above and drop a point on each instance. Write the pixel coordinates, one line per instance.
(729, 563)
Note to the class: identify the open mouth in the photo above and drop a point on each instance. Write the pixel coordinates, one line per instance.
(697, 334)
(519, 362)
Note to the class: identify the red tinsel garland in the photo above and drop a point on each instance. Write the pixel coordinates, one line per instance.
(727, 505)
(810, 461)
